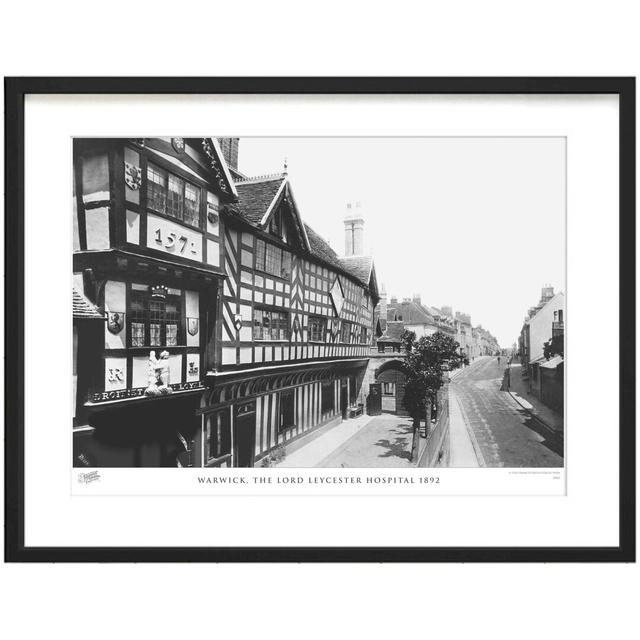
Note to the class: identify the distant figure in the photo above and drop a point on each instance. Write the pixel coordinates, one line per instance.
(498, 360)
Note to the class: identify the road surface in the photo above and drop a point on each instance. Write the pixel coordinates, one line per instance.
(502, 433)
(385, 441)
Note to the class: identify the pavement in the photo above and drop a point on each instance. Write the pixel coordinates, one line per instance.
(463, 452)
(519, 388)
(501, 432)
(367, 441)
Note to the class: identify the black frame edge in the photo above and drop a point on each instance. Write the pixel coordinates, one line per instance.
(15, 90)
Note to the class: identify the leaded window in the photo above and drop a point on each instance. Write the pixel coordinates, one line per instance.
(260, 254)
(286, 264)
(270, 325)
(273, 263)
(175, 197)
(156, 189)
(155, 322)
(171, 195)
(317, 328)
(272, 260)
(138, 335)
(191, 205)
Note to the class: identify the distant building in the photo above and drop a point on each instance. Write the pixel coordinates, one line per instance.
(419, 318)
(544, 324)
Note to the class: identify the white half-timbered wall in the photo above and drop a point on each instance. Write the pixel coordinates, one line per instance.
(306, 292)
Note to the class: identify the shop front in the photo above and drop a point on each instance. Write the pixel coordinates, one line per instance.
(248, 416)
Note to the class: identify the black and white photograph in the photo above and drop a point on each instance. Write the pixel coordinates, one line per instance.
(319, 302)
(363, 318)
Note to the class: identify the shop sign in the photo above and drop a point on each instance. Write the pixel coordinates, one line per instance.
(123, 394)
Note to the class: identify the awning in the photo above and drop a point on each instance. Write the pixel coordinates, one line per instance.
(553, 363)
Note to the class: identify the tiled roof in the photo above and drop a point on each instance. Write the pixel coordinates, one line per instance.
(320, 248)
(413, 313)
(359, 266)
(83, 309)
(255, 196)
(394, 332)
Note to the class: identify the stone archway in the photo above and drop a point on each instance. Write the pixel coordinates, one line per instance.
(389, 374)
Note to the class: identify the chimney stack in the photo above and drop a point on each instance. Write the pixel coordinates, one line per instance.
(547, 293)
(383, 304)
(417, 298)
(229, 147)
(353, 231)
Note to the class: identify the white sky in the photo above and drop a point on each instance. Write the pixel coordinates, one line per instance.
(474, 223)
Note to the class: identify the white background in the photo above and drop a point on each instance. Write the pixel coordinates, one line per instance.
(53, 517)
(490, 38)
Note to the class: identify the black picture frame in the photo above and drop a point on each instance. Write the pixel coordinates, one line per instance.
(15, 91)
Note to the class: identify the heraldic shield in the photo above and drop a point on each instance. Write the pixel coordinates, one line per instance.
(192, 326)
(115, 322)
(132, 176)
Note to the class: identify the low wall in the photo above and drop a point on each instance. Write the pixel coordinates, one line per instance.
(436, 451)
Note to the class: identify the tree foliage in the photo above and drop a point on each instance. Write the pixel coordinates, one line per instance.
(423, 368)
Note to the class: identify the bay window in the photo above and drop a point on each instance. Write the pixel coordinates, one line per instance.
(154, 322)
(173, 196)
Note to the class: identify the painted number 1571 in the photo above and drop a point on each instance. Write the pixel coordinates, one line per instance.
(170, 240)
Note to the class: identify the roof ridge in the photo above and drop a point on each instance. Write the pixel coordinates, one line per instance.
(267, 177)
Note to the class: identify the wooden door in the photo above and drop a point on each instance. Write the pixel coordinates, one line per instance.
(244, 434)
(374, 401)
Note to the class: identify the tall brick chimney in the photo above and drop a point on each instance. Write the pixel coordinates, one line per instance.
(229, 148)
(382, 305)
(353, 231)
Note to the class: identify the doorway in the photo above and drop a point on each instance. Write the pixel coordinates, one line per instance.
(244, 434)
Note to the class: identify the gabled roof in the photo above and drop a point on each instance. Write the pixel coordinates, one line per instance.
(359, 266)
(393, 332)
(259, 197)
(84, 309)
(256, 196)
(413, 313)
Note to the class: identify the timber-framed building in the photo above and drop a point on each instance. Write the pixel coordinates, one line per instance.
(232, 328)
